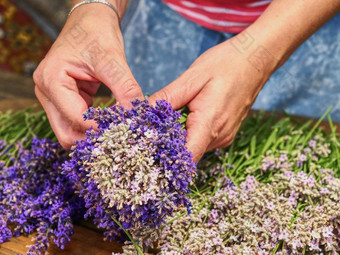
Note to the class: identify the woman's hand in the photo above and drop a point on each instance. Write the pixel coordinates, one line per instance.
(219, 89)
(89, 50)
(222, 84)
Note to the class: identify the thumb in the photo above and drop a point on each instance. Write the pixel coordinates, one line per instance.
(117, 76)
(181, 91)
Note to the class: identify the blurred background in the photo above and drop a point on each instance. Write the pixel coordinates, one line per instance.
(27, 30)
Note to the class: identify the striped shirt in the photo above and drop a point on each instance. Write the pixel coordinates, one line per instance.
(221, 15)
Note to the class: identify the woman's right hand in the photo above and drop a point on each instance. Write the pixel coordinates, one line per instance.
(89, 50)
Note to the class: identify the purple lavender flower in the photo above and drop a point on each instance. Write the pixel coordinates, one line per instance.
(249, 184)
(135, 168)
(292, 200)
(324, 191)
(289, 174)
(3, 144)
(312, 143)
(283, 157)
(268, 164)
(303, 157)
(311, 181)
(5, 232)
(36, 197)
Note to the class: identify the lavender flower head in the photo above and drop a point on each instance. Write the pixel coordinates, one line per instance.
(135, 167)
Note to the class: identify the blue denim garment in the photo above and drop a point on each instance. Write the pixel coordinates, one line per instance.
(160, 44)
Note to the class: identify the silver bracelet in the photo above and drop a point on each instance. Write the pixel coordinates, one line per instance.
(95, 1)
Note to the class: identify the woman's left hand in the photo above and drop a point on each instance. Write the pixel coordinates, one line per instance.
(222, 84)
(219, 88)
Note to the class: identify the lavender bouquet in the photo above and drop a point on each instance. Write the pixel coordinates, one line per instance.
(135, 169)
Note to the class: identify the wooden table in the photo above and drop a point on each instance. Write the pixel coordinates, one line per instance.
(16, 93)
(85, 241)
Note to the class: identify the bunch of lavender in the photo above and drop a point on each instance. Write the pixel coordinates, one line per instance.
(286, 198)
(35, 196)
(135, 169)
(294, 214)
(182, 234)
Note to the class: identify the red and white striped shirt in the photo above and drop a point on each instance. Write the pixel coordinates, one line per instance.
(222, 15)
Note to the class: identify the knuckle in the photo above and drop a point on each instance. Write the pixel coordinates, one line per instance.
(190, 83)
(215, 128)
(37, 92)
(222, 134)
(130, 88)
(37, 76)
(64, 143)
(198, 150)
(214, 134)
(165, 94)
(162, 94)
(42, 77)
(226, 141)
(65, 139)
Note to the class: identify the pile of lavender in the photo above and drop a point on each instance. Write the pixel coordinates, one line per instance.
(134, 170)
(296, 214)
(275, 190)
(35, 198)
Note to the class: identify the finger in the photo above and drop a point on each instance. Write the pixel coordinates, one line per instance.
(64, 108)
(88, 90)
(118, 77)
(201, 122)
(87, 98)
(199, 134)
(224, 141)
(181, 91)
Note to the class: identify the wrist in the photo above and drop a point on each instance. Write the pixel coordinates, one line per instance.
(256, 52)
(84, 26)
(275, 46)
(281, 30)
(94, 16)
(117, 6)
